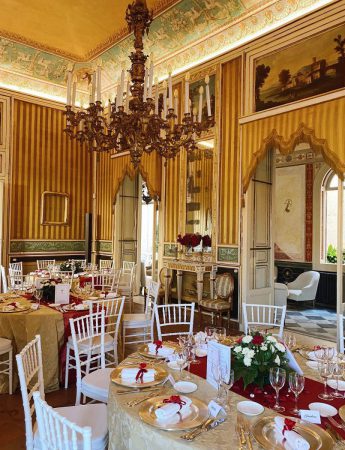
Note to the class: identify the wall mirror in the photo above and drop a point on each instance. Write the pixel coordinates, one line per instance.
(54, 208)
(199, 188)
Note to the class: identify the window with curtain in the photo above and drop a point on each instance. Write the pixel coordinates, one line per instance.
(329, 213)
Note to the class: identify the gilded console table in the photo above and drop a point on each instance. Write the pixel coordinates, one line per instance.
(200, 268)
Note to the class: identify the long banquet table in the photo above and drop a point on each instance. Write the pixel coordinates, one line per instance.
(128, 432)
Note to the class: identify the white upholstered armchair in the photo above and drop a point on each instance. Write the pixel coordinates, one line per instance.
(304, 288)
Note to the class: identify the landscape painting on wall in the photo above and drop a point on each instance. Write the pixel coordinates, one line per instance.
(309, 68)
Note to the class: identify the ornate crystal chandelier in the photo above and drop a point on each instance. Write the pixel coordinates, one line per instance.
(136, 122)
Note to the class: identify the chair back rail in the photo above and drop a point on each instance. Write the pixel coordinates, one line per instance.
(181, 315)
(264, 315)
(30, 373)
(57, 432)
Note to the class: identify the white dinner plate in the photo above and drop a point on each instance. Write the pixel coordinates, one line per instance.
(324, 409)
(174, 366)
(250, 408)
(312, 364)
(185, 387)
(333, 384)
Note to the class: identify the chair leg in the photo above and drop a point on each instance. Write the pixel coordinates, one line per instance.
(10, 375)
(123, 341)
(67, 366)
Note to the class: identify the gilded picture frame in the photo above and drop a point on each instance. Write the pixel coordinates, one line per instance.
(64, 214)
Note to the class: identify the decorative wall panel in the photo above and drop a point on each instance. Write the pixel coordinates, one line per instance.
(230, 154)
(172, 200)
(45, 159)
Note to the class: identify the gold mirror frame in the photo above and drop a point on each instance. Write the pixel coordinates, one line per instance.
(44, 196)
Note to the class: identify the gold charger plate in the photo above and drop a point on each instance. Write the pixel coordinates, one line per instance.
(341, 412)
(160, 376)
(199, 413)
(15, 310)
(144, 350)
(264, 432)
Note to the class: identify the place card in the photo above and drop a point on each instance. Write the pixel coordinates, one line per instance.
(218, 354)
(310, 416)
(214, 408)
(62, 294)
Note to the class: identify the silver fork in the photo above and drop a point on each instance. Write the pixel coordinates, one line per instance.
(194, 433)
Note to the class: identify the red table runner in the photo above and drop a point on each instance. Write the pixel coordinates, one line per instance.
(266, 396)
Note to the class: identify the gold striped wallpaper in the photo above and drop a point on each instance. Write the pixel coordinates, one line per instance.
(172, 199)
(321, 125)
(229, 157)
(110, 173)
(45, 159)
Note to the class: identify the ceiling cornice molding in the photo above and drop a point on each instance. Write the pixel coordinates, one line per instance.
(113, 39)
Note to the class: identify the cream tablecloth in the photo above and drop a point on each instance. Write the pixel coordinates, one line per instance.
(128, 432)
(21, 327)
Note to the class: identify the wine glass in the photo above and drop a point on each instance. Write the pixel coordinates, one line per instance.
(38, 295)
(181, 362)
(329, 353)
(337, 374)
(188, 353)
(210, 332)
(217, 376)
(219, 333)
(227, 381)
(296, 385)
(326, 370)
(290, 340)
(277, 380)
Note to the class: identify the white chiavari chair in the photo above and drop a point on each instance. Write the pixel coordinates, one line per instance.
(113, 309)
(178, 317)
(143, 323)
(42, 264)
(81, 261)
(106, 264)
(30, 372)
(341, 319)
(88, 345)
(126, 286)
(82, 427)
(264, 316)
(127, 266)
(108, 282)
(15, 268)
(6, 364)
(4, 279)
(19, 282)
(65, 275)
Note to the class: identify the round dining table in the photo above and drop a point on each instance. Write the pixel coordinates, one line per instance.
(128, 432)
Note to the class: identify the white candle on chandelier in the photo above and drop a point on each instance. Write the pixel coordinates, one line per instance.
(201, 92)
(170, 92)
(74, 93)
(151, 76)
(109, 110)
(69, 85)
(186, 92)
(208, 100)
(145, 86)
(194, 114)
(156, 96)
(176, 101)
(93, 88)
(118, 95)
(99, 83)
(164, 99)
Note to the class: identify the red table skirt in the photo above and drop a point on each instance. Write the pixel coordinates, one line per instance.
(266, 396)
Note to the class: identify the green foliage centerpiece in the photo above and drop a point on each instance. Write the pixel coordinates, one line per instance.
(254, 355)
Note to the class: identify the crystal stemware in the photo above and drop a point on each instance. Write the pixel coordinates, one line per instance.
(296, 385)
(277, 380)
(227, 381)
(38, 296)
(326, 370)
(337, 374)
(181, 361)
(217, 376)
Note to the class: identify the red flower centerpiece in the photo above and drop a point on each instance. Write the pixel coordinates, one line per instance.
(189, 240)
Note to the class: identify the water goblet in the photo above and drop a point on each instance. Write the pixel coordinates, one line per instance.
(277, 379)
(329, 353)
(181, 361)
(188, 352)
(38, 296)
(337, 374)
(217, 376)
(219, 333)
(227, 381)
(326, 370)
(296, 385)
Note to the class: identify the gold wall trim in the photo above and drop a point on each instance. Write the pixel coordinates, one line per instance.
(229, 154)
(320, 125)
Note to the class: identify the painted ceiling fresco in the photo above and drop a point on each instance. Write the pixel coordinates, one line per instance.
(188, 32)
